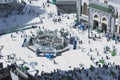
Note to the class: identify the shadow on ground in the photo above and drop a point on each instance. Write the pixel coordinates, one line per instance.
(30, 15)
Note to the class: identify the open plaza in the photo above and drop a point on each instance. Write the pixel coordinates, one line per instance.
(39, 44)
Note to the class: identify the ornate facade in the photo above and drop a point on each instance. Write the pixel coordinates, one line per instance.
(102, 15)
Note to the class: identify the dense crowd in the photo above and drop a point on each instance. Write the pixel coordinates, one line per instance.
(101, 73)
(105, 71)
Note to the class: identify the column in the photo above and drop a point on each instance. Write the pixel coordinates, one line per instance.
(79, 4)
(118, 17)
(118, 23)
(118, 28)
(99, 26)
(112, 25)
(108, 28)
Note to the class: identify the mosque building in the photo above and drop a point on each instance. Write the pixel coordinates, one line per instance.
(102, 15)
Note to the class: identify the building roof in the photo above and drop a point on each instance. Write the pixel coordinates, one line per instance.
(101, 8)
(66, 2)
(7, 1)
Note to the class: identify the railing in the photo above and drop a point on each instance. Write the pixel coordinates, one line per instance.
(84, 17)
(17, 28)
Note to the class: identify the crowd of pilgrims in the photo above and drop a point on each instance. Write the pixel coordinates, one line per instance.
(106, 71)
(100, 73)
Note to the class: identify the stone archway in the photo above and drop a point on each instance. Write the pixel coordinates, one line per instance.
(104, 27)
(85, 10)
(95, 24)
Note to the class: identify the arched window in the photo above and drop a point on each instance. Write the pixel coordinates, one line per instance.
(119, 29)
(96, 16)
(105, 1)
(116, 15)
(85, 10)
(115, 28)
(104, 19)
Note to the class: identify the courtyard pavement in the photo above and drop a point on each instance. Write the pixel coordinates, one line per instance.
(68, 60)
